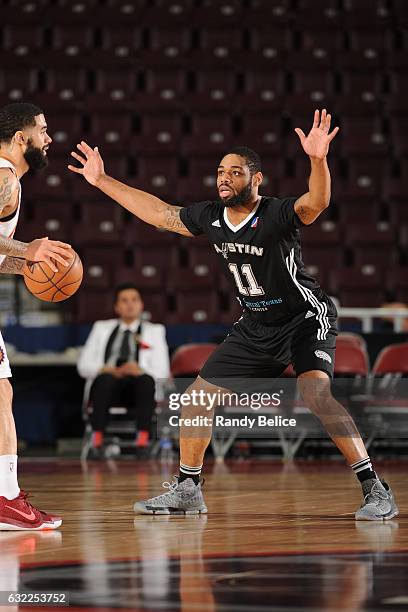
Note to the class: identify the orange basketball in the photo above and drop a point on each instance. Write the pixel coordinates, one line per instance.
(51, 286)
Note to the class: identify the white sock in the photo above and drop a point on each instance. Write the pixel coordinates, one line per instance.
(8, 476)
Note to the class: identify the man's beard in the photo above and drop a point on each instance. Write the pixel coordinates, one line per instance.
(243, 197)
(35, 157)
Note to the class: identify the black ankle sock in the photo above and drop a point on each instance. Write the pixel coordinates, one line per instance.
(183, 476)
(189, 471)
(364, 470)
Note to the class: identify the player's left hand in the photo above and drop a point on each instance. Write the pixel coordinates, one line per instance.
(316, 143)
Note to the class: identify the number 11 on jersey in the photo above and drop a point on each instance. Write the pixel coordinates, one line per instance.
(246, 270)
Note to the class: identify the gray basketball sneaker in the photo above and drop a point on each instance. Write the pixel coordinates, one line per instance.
(379, 504)
(182, 498)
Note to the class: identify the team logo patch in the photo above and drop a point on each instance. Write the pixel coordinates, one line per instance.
(216, 223)
(2, 356)
(254, 222)
(323, 355)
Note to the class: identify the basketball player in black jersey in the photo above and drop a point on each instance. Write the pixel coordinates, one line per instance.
(287, 318)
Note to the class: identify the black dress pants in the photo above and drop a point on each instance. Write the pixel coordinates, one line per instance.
(134, 392)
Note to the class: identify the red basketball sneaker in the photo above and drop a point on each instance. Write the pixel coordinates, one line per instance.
(19, 515)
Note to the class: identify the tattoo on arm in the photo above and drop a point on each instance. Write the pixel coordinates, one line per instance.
(172, 221)
(12, 265)
(8, 186)
(305, 215)
(11, 247)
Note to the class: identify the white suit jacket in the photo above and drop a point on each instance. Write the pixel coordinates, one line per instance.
(154, 360)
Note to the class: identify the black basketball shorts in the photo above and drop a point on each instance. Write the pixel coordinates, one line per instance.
(256, 350)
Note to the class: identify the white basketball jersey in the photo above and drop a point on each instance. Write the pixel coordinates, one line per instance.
(8, 224)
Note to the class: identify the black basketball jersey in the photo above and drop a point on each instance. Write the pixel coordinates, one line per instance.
(261, 256)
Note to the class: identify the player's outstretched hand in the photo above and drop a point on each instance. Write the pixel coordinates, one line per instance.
(50, 251)
(316, 143)
(92, 163)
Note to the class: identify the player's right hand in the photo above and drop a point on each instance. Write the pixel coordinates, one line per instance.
(92, 163)
(49, 251)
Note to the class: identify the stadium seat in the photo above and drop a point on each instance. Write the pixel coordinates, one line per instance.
(161, 135)
(24, 39)
(358, 286)
(140, 234)
(352, 338)
(65, 130)
(364, 141)
(115, 82)
(362, 85)
(219, 44)
(323, 14)
(321, 234)
(380, 236)
(100, 224)
(380, 18)
(72, 40)
(262, 133)
(331, 41)
(169, 13)
(17, 82)
(262, 11)
(263, 91)
(52, 218)
(351, 368)
(158, 176)
(93, 304)
(67, 84)
(397, 282)
(191, 279)
(222, 14)
(156, 258)
(196, 307)
(210, 135)
(98, 276)
(188, 359)
(164, 91)
(112, 131)
(201, 182)
(100, 255)
(121, 41)
(147, 279)
(120, 12)
(202, 258)
(155, 306)
(213, 92)
(351, 359)
(392, 359)
(321, 260)
(362, 61)
(170, 42)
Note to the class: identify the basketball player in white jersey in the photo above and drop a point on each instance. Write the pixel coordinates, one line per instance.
(24, 142)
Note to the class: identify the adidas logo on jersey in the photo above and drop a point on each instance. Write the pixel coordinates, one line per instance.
(309, 314)
(216, 223)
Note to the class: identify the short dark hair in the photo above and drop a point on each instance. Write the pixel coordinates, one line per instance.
(15, 117)
(124, 287)
(252, 159)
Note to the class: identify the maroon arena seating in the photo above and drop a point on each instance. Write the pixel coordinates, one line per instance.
(164, 87)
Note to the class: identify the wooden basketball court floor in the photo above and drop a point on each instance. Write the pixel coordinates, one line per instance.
(278, 536)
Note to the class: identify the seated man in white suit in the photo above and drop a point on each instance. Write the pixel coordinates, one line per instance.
(124, 358)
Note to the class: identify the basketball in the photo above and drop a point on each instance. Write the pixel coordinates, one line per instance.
(51, 286)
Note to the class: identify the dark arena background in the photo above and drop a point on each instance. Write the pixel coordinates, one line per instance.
(164, 88)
